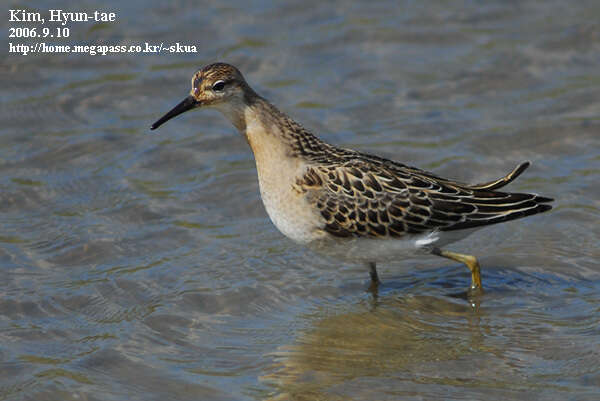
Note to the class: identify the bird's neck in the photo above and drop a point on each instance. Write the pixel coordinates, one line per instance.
(268, 130)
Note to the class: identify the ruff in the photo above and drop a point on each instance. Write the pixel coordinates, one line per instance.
(349, 204)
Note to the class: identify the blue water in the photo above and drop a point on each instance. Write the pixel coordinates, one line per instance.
(142, 266)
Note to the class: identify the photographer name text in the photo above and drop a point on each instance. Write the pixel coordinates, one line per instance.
(60, 16)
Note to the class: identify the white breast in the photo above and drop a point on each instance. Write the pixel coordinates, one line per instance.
(286, 213)
(277, 174)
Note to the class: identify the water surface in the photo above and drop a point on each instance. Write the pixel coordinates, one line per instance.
(142, 266)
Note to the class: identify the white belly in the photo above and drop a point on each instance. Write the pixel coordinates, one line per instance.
(367, 250)
(294, 219)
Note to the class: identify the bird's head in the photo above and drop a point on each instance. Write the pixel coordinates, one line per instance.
(217, 85)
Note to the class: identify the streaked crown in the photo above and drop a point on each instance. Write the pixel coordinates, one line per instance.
(216, 82)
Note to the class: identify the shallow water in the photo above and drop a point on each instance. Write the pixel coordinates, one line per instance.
(140, 266)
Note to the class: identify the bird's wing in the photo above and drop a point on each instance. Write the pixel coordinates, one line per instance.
(364, 199)
(507, 179)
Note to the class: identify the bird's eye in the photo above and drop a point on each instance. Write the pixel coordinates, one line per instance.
(218, 86)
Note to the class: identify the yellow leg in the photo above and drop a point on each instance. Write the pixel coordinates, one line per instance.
(468, 260)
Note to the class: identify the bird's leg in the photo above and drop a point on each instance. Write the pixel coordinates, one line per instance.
(468, 260)
(374, 277)
(373, 273)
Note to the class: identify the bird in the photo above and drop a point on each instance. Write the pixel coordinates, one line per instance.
(351, 205)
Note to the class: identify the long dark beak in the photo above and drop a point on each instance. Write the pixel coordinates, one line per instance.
(187, 104)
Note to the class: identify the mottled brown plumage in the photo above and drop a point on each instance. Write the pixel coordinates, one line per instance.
(330, 197)
(371, 197)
